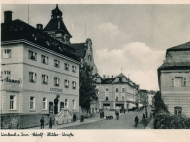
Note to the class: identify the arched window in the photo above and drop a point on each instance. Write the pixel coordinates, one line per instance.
(61, 105)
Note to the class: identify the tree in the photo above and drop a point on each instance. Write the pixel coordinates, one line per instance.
(87, 90)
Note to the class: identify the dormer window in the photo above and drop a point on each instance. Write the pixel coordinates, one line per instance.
(89, 57)
(58, 23)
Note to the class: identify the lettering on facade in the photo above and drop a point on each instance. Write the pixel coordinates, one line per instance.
(56, 90)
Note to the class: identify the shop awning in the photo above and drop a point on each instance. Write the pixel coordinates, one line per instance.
(140, 105)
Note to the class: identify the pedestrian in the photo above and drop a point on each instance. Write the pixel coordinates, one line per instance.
(100, 114)
(42, 122)
(146, 114)
(136, 121)
(124, 111)
(74, 117)
(143, 117)
(103, 114)
(50, 123)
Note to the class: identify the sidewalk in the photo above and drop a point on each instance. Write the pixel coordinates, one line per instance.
(150, 124)
(86, 121)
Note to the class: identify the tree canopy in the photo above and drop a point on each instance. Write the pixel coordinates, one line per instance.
(87, 90)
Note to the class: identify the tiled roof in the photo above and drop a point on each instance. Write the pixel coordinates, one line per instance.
(53, 26)
(18, 29)
(80, 49)
(185, 46)
(175, 65)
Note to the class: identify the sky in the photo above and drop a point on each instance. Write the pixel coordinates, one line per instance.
(127, 38)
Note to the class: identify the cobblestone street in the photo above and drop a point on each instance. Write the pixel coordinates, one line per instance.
(125, 121)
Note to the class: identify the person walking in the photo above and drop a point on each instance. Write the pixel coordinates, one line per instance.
(42, 122)
(143, 117)
(50, 123)
(136, 121)
(146, 113)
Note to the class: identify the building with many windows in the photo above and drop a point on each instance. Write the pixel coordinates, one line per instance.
(174, 79)
(39, 74)
(117, 93)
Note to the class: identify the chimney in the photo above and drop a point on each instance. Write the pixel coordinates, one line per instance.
(7, 16)
(108, 76)
(104, 76)
(112, 76)
(39, 27)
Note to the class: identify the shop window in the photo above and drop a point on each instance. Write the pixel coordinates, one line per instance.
(32, 77)
(12, 102)
(32, 55)
(177, 110)
(56, 81)
(44, 59)
(44, 79)
(6, 53)
(44, 103)
(56, 63)
(32, 103)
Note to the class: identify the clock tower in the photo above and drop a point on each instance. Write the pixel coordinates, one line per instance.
(56, 27)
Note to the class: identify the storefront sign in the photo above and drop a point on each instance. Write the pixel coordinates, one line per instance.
(56, 90)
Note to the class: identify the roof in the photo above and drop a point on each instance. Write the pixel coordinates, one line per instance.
(53, 26)
(17, 30)
(56, 11)
(80, 49)
(175, 65)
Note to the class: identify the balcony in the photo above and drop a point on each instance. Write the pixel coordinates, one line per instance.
(11, 84)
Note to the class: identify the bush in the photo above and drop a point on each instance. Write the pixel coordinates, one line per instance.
(166, 121)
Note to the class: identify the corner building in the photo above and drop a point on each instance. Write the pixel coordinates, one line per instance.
(174, 79)
(39, 75)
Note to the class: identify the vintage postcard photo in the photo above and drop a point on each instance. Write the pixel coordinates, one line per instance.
(93, 66)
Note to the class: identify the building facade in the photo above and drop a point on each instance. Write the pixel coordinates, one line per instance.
(174, 79)
(117, 93)
(39, 75)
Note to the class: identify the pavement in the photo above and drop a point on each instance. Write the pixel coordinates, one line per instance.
(96, 119)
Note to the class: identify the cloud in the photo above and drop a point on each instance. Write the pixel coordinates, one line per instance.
(136, 59)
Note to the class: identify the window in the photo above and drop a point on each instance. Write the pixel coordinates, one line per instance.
(74, 106)
(178, 81)
(32, 55)
(44, 103)
(6, 74)
(56, 63)
(123, 89)
(116, 98)
(6, 53)
(123, 98)
(116, 90)
(74, 84)
(61, 106)
(73, 68)
(66, 101)
(44, 79)
(177, 110)
(107, 98)
(32, 103)
(184, 82)
(107, 89)
(56, 81)
(66, 66)
(44, 59)
(12, 102)
(172, 82)
(32, 77)
(66, 83)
